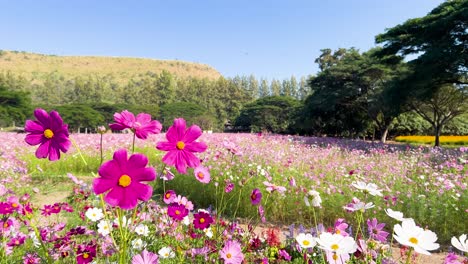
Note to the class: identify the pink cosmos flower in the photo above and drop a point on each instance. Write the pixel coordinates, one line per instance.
(31, 258)
(202, 174)
(256, 196)
(49, 132)
(270, 187)
(181, 145)
(202, 220)
(376, 230)
(145, 258)
(169, 196)
(123, 178)
(232, 253)
(141, 125)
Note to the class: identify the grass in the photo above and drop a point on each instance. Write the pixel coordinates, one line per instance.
(444, 140)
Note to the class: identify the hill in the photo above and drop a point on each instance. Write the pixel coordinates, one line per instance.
(35, 67)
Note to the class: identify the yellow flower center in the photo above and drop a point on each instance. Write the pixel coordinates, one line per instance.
(48, 133)
(5, 225)
(200, 176)
(168, 195)
(338, 231)
(180, 145)
(334, 247)
(85, 255)
(17, 242)
(228, 255)
(413, 240)
(202, 220)
(253, 196)
(14, 205)
(306, 242)
(177, 212)
(125, 180)
(335, 257)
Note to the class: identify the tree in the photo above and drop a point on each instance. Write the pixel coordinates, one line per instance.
(447, 103)
(274, 114)
(15, 106)
(440, 41)
(264, 88)
(275, 87)
(79, 116)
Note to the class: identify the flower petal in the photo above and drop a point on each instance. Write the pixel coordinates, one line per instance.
(43, 150)
(176, 131)
(114, 196)
(33, 127)
(129, 196)
(56, 121)
(101, 185)
(191, 159)
(196, 147)
(120, 157)
(34, 139)
(144, 174)
(170, 157)
(137, 161)
(110, 170)
(166, 146)
(192, 134)
(42, 117)
(144, 191)
(54, 151)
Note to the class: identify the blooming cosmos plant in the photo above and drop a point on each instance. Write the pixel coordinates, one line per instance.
(49, 132)
(232, 253)
(122, 177)
(460, 243)
(141, 125)
(410, 235)
(180, 146)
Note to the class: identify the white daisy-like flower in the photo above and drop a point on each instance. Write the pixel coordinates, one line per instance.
(33, 237)
(104, 227)
(94, 214)
(306, 240)
(397, 215)
(316, 201)
(421, 240)
(186, 220)
(337, 244)
(138, 244)
(461, 243)
(359, 206)
(208, 232)
(370, 188)
(142, 230)
(166, 252)
(125, 222)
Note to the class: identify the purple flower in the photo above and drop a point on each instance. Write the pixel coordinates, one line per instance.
(145, 258)
(85, 253)
(202, 220)
(284, 255)
(177, 211)
(229, 187)
(256, 196)
(181, 145)
(31, 258)
(376, 230)
(49, 132)
(141, 125)
(123, 178)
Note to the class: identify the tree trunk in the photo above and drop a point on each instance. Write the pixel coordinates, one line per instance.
(383, 137)
(437, 136)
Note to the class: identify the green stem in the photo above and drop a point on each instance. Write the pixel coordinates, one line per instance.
(106, 216)
(38, 236)
(238, 202)
(410, 252)
(133, 144)
(79, 151)
(102, 155)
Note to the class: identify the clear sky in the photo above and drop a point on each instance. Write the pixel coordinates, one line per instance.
(270, 39)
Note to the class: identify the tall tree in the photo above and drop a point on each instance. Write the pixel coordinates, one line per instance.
(264, 88)
(275, 87)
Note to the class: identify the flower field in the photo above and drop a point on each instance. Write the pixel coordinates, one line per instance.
(446, 140)
(188, 197)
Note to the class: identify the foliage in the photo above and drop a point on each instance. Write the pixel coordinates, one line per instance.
(80, 116)
(273, 114)
(15, 106)
(189, 111)
(444, 140)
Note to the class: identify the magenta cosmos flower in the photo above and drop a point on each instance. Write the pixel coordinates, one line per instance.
(49, 132)
(141, 125)
(123, 178)
(202, 220)
(177, 211)
(181, 145)
(256, 196)
(232, 253)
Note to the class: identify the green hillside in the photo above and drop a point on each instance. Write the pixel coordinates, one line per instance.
(35, 67)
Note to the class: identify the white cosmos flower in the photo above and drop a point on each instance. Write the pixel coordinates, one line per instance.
(142, 230)
(360, 206)
(461, 243)
(336, 243)
(306, 240)
(316, 201)
(94, 214)
(138, 244)
(370, 188)
(125, 222)
(186, 220)
(397, 215)
(421, 240)
(208, 232)
(166, 252)
(104, 227)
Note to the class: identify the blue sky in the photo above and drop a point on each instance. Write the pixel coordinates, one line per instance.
(270, 39)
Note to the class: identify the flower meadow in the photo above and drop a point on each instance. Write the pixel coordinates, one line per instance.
(142, 196)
